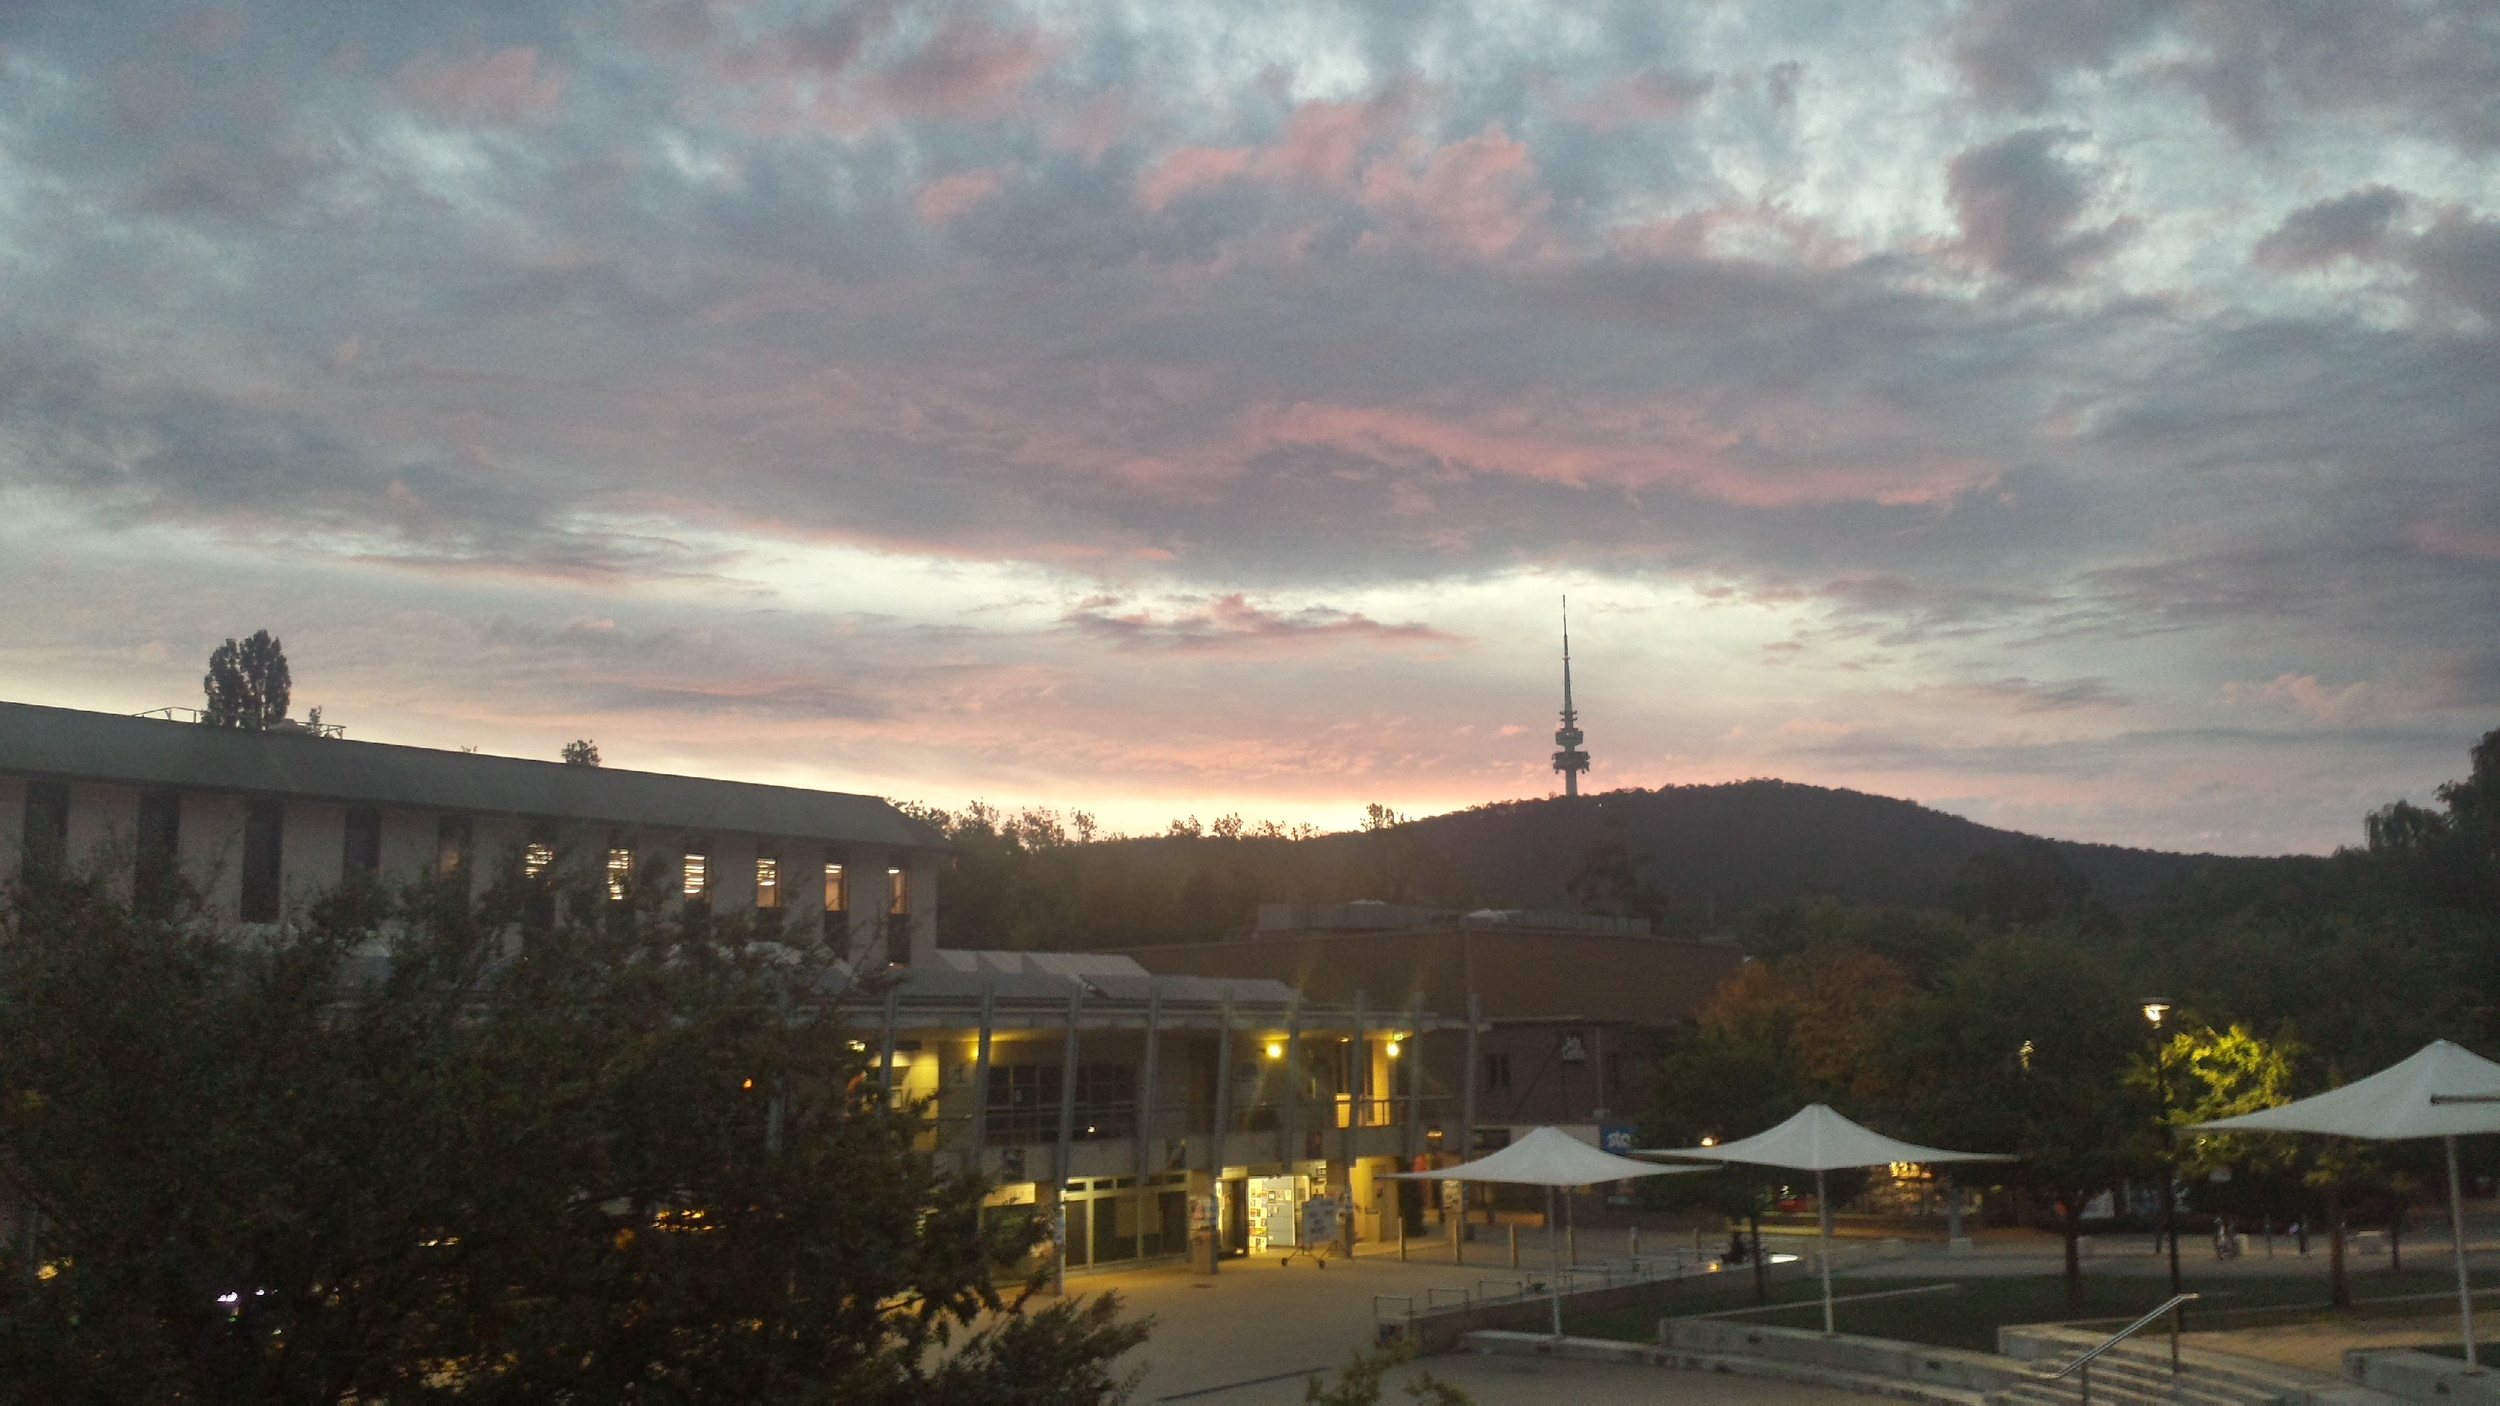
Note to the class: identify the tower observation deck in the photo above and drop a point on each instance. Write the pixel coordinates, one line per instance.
(1569, 759)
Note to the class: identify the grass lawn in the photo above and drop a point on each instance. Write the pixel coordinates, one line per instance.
(1970, 1318)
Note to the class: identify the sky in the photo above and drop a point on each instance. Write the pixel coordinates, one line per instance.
(2078, 415)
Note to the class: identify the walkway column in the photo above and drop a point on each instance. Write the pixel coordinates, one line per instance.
(981, 1079)
(1292, 1119)
(1356, 1068)
(1067, 1140)
(1467, 1077)
(1144, 1132)
(885, 1069)
(1219, 1139)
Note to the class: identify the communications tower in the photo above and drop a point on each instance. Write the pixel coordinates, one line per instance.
(1569, 759)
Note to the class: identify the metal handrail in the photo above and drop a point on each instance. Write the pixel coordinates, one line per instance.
(2083, 1363)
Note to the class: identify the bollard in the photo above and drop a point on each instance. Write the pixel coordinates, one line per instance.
(1514, 1247)
(1635, 1237)
(1401, 1234)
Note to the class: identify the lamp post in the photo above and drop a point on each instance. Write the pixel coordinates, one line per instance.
(2155, 1008)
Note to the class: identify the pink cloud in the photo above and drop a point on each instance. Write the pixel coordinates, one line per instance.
(943, 200)
(1232, 623)
(842, 75)
(968, 67)
(1323, 145)
(1632, 446)
(1480, 195)
(507, 86)
(1647, 96)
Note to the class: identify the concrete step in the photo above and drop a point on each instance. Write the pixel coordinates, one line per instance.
(1675, 1359)
(2233, 1378)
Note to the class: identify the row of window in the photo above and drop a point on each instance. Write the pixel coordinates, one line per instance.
(159, 842)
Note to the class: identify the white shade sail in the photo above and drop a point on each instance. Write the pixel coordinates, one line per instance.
(2407, 1100)
(1546, 1157)
(1820, 1140)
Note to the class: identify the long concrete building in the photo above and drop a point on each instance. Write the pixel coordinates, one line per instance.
(1153, 1111)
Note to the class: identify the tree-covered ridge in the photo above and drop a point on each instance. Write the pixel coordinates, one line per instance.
(1691, 858)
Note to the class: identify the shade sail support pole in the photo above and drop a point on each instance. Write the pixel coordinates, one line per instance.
(1823, 1212)
(2456, 1229)
(1553, 1258)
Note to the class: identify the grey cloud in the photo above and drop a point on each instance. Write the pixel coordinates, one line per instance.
(2349, 226)
(2018, 201)
(2459, 259)
(2013, 52)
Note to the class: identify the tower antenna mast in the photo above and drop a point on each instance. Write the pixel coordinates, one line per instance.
(1568, 758)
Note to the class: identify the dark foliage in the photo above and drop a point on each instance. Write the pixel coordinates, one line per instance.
(424, 1146)
(247, 684)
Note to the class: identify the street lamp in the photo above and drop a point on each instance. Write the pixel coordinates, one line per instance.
(2154, 1008)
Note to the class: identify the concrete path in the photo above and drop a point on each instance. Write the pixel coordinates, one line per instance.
(1253, 1333)
(1528, 1381)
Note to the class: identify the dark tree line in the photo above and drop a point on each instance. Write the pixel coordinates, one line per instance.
(434, 1144)
(2015, 1020)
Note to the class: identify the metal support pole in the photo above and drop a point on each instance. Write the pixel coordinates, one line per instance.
(1514, 1245)
(1553, 1254)
(2170, 1200)
(1571, 1231)
(1468, 1075)
(1067, 1138)
(1145, 1129)
(1823, 1208)
(1219, 1140)
(2456, 1229)
(980, 1121)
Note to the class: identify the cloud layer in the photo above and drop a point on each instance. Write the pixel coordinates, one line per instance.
(2076, 413)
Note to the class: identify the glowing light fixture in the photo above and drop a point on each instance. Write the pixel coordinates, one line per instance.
(1709, 1141)
(1393, 1049)
(2154, 1009)
(1275, 1049)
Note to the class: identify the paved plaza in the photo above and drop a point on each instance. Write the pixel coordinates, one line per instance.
(1253, 1333)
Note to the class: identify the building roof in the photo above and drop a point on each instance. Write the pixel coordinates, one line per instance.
(70, 743)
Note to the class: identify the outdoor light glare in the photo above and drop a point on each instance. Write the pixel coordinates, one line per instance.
(1393, 1049)
(859, 1047)
(2155, 1009)
(1709, 1141)
(1275, 1049)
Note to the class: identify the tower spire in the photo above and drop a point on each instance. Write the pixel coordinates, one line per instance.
(1569, 759)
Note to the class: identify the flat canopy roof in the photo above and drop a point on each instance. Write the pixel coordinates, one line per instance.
(72, 744)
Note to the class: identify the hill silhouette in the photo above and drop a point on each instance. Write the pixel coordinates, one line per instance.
(1692, 858)
(1714, 851)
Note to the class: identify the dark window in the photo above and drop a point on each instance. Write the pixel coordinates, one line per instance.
(1497, 1072)
(363, 851)
(264, 830)
(451, 846)
(47, 830)
(1024, 1103)
(160, 850)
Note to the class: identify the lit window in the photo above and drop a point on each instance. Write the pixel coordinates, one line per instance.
(535, 859)
(837, 898)
(901, 899)
(620, 874)
(768, 883)
(694, 877)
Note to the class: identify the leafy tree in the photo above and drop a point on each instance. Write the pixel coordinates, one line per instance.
(2451, 856)
(246, 684)
(424, 1146)
(2025, 1046)
(581, 751)
(1362, 1381)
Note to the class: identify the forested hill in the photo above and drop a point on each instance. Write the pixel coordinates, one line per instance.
(1728, 847)
(1691, 857)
